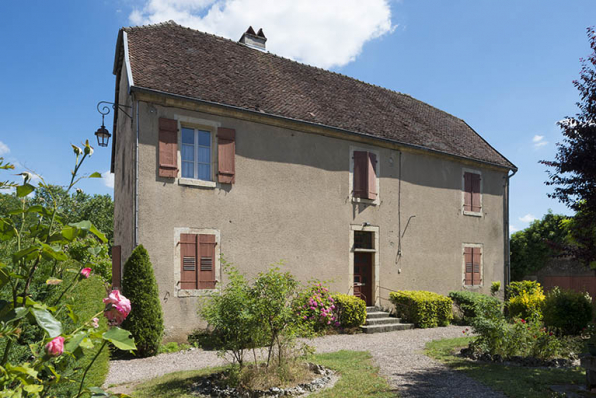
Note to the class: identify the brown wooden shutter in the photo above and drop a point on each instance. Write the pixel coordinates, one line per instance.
(188, 261)
(467, 191)
(476, 257)
(168, 148)
(360, 182)
(469, 266)
(207, 261)
(371, 176)
(116, 266)
(475, 192)
(226, 153)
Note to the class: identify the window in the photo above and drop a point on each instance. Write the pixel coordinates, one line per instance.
(196, 261)
(196, 154)
(472, 193)
(364, 176)
(473, 265)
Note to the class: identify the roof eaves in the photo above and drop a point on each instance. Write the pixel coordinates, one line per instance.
(349, 132)
(512, 166)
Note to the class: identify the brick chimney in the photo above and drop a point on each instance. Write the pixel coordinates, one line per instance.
(254, 40)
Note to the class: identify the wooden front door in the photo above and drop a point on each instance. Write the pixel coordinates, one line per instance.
(363, 277)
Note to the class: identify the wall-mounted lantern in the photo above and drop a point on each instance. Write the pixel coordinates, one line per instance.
(102, 134)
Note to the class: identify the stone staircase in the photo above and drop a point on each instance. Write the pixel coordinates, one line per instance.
(379, 321)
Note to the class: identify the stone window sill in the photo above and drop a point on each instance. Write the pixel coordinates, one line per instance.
(181, 293)
(472, 213)
(365, 201)
(196, 183)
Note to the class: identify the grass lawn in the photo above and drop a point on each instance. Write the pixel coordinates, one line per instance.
(359, 378)
(513, 381)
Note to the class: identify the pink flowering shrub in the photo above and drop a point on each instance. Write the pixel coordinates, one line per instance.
(316, 308)
(55, 348)
(85, 272)
(117, 308)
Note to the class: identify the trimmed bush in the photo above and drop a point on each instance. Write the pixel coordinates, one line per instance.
(351, 310)
(472, 304)
(145, 321)
(424, 309)
(567, 310)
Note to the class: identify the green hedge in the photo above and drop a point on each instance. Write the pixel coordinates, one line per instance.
(472, 304)
(567, 310)
(424, 309)
(351, 310)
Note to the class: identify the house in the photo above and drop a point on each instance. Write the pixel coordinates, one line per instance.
(232, 152)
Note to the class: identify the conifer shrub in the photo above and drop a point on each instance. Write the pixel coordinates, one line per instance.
(145, 321)
(424, 309)
(351, 310)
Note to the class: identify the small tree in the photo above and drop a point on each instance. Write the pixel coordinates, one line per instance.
(145, 321)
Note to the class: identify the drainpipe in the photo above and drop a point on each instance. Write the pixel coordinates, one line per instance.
(136, 229)
(506, 227)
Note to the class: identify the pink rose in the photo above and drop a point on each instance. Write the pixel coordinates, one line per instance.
(55, 348)
(95, 323)
(86, 272)
(117, 308)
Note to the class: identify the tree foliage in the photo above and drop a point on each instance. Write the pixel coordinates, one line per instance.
(532, 247)
(145, 320)
(573, 172)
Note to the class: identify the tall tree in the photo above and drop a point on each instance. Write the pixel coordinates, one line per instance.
(573, 172)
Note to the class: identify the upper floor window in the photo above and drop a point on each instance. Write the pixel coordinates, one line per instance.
(472, 193)
(196, 154)
(364, 177)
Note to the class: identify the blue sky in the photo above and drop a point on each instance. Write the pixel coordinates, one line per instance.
(505, 67)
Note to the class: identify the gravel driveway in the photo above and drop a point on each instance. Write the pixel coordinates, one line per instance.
(398, 354)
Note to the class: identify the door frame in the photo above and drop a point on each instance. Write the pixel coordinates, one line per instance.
(376, 263)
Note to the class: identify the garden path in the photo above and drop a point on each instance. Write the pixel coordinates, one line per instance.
(398, 354)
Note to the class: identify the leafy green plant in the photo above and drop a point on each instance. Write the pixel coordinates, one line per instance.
(145, 321)
(316, 307)
(424, 309)
(472, 304)
(495, 287)
(351, 310)
(526, 299)
(567, 310)
(245, 316)
(34, 286)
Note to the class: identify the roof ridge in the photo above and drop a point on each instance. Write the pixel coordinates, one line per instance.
(153, 25)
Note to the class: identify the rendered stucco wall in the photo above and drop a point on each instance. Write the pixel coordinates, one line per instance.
(291, 202)
(124, 176)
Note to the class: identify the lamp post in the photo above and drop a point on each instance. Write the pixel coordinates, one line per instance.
(102, 134)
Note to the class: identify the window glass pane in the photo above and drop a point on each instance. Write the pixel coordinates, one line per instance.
(188, 170)
(188, 136)
(188, 153)
(204, 138)
(363, 240)
(204, 155)
(205, 172)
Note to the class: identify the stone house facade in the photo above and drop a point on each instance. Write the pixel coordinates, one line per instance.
(234, 153)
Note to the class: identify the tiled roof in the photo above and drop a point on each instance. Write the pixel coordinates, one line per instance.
(177, 60)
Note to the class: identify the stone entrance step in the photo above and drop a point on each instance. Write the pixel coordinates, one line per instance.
(378, 321)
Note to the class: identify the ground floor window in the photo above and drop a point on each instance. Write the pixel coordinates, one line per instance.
(197, 260)
(472, 265)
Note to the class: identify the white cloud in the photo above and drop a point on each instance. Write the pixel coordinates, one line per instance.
(322, 33)
(538, 141)
(4, 149)
(512, 229)
(527, 218)
(108, 179)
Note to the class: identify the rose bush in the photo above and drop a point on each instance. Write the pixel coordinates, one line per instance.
(316, 307)
(34, 280)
